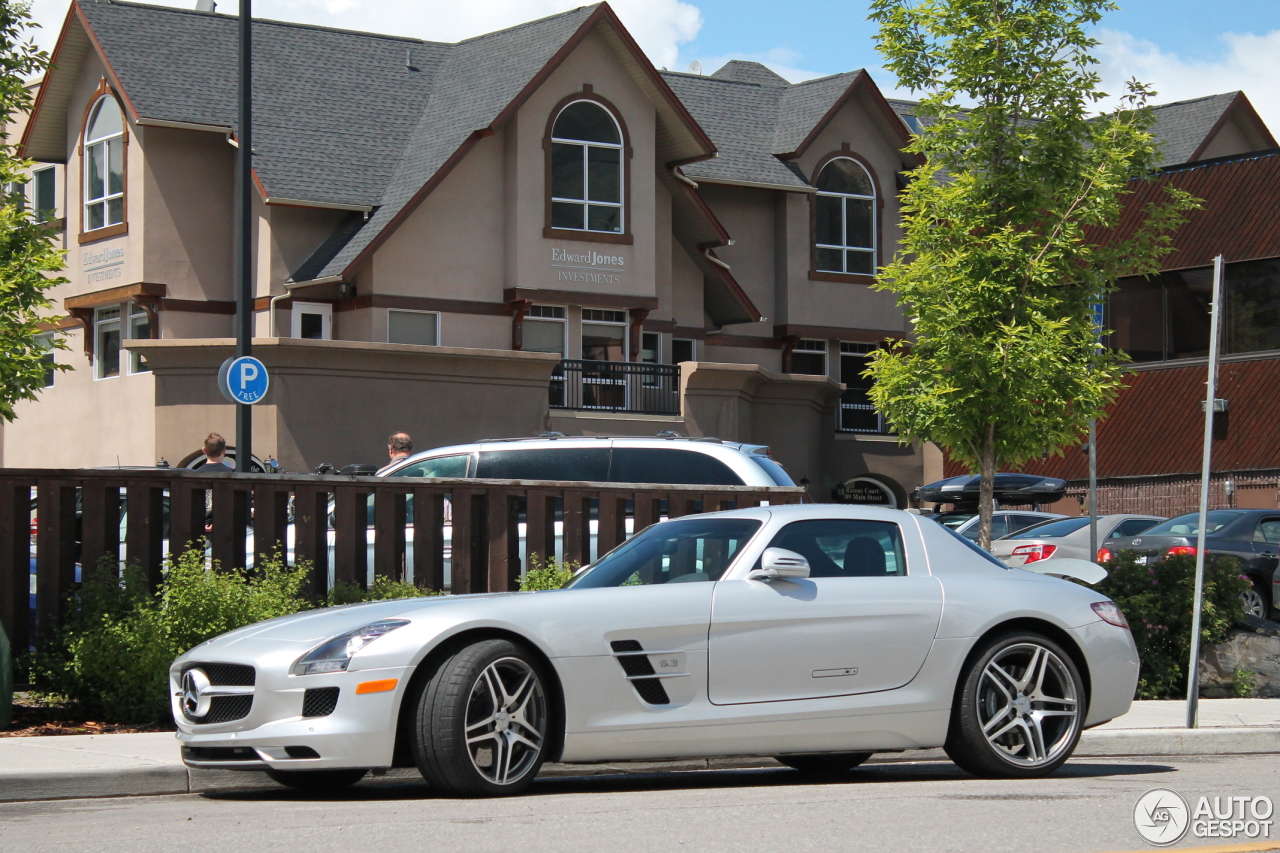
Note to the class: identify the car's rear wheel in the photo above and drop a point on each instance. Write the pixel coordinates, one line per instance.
(1255, 599)
(481, 721)
(317, 781)
(831, 762)
(1019, 709)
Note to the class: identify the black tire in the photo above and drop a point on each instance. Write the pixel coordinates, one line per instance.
(831, 762)
(1261, 605)
(1010, 748)
(509, 733)
(317, 781)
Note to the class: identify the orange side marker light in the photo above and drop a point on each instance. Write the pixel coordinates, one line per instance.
(377, 686)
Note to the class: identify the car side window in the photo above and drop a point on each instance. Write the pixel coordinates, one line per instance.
(439, 466)
(846, 547)
(1268, 531)
(549, 463)
(1018, 522)
(675, 466)
(1131, 527)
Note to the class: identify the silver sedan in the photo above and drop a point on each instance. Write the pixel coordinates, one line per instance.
(1068, 538)
(818, 634)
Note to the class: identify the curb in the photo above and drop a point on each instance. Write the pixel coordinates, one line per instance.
(155, 780)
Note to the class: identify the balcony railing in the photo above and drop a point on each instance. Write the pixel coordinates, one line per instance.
(857, 415)
(616, 386)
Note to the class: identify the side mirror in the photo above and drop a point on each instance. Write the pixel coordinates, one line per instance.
(780, 564)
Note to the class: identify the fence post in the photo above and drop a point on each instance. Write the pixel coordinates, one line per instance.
(15, 562)
(577, 528)
(143, 532)
(186, 515)
(351, 536)
(100, 526)
(540, 530)
(611, 529)
(270, 521)
(504, 564)
(428, 538)
(55, 551)
(311, 541)
(463, 559)
(388, 532)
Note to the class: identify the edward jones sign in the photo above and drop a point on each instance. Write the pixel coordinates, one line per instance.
(589, 267)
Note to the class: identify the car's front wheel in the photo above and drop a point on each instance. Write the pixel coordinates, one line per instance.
(1019, 709)
(480, 724)
(831, 762)
(317, 781)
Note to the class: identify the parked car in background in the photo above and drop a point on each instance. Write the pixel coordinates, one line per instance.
(1068, 538)
(1250, 535)
(1003, 521)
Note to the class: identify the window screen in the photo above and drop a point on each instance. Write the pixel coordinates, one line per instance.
(550, 463)
(846, 547)
(413, 327)
(662, 465)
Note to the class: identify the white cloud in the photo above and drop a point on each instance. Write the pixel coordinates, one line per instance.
(1250, 63)
(659, 26)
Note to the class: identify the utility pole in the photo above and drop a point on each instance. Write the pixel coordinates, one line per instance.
(1211, 392)
(244, 231)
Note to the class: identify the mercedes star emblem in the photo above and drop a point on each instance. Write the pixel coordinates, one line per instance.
(195, 693)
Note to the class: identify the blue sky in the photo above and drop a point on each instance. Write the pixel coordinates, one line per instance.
(1184, 48)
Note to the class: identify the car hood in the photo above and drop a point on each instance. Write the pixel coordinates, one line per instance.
(312, 626)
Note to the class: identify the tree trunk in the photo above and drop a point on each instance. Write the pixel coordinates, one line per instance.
(986, 489)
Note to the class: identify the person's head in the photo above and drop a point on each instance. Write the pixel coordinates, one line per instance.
(399, 444)
(215, 447)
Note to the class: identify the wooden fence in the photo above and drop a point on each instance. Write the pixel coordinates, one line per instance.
(59, 524)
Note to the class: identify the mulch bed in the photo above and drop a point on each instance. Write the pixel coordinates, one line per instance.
(33, 717)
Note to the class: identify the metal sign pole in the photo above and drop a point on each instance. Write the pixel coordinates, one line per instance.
(1093, 489)
(1211, 390)
(244, 231)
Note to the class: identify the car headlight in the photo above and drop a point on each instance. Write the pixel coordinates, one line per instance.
(334, 654)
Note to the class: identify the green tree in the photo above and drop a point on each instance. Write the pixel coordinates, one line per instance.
(1003, 228)
(29, 262)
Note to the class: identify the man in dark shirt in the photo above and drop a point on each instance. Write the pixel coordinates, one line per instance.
(399, 445)
(215, 455)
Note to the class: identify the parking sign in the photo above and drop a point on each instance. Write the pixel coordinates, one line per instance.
(243, 380)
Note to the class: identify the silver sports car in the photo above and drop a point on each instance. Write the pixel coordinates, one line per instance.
(818, 634)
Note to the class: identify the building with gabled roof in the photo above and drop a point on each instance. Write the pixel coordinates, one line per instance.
(529, 230)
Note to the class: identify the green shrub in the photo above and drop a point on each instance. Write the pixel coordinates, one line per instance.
(383, 589)
(111, 657)
(549, 575)
(1157, 600)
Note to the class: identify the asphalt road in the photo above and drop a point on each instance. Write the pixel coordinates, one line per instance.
(1086, 807)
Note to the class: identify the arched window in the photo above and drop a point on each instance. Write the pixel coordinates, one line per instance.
(845, 218)
(586, 169)
(104, 165)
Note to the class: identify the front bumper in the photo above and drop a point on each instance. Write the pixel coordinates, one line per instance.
(359, 732)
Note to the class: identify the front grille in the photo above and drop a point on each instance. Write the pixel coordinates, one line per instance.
(219, 753)
(225, 709)
(301, 752)
(228, 674)
(319, 701)
(651, 691)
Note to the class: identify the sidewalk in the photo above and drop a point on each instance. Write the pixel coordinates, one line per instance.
(43, 768)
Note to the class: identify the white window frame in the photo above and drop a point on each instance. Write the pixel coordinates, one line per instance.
(658, 351)
(101, 326)
(586, 201)
(324, 309)
(45, 341)
(625, 323)
(693, 348)
(552, 314)
(135, 312)
(32, 193)
(91, 148)
(844, 248)
(826, 353)
(435, 314)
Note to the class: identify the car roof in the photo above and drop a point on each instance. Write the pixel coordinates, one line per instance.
(700, 444)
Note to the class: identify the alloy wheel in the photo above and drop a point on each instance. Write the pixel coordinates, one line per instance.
(1028, 705)
(1253, 603)
(506, 721)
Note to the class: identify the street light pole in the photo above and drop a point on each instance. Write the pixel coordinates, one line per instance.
(244, 231)
(1211, 392)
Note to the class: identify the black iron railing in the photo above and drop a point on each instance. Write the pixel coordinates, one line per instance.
(856, 414)
(616, 386)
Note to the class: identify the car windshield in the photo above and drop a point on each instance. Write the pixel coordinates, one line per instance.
(952, 520)
(1189, 524)
(1055, 529)
(683, 551)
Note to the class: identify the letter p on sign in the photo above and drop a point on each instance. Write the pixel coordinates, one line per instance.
(243, 380)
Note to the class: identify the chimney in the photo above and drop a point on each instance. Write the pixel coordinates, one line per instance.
(206, 6)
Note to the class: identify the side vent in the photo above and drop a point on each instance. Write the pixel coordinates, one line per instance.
(319, 701)
(635, 664)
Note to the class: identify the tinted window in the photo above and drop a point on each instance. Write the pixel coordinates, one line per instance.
(1131, 527)
(845, 547)
(1052, 529)
(999, 528)
(675, 466)
(1021, 522)
(440, 466)
(546, 463)
(672, 552)
(775, 470)
(1189, 524)
(1268, 530)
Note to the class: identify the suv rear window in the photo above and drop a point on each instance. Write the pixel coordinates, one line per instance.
(675, 466)
(546, 463)
(774, 469)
